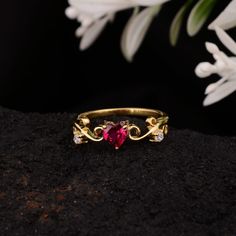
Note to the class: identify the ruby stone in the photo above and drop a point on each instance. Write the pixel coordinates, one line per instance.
(115, 134)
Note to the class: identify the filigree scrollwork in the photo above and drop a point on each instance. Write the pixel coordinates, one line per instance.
(157, 128)
(134, 132)
(82, 131)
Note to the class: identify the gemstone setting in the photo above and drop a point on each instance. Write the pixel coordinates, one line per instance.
(115, 134)
(159, 137)
(77, 139)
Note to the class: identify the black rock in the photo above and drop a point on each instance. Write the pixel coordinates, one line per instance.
(185, 185)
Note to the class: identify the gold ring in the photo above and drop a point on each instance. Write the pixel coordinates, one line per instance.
(117, 133)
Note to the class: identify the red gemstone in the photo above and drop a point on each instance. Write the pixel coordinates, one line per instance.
(115, 134)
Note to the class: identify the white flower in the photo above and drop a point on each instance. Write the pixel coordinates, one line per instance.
(95, 14)
(224, 66)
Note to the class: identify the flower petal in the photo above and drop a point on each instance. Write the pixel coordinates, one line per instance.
(149, 2)
(221, 92)
(92, 33)
(124, 34)
(211, 48)
(99, 8)
(212, 87)
(136, 31)
(205, 69)
(226, 39)
(71, 13)
(219, 56)
(227, 18)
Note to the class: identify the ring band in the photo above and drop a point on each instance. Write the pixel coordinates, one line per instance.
(117, 133)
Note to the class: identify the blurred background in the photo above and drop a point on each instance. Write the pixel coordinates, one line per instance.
(42, 69)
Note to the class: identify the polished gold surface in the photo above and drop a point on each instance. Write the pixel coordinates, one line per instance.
(156, 123)
(123, 111)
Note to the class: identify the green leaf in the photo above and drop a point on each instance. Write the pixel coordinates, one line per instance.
(177, 23)
(198, 16)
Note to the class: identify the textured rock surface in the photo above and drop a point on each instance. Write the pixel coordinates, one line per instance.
(184, 186)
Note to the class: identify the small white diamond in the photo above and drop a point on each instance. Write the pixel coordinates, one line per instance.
(78, 140)
(159, 137)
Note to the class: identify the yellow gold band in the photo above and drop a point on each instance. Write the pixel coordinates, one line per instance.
(156, 122)
(124, 112)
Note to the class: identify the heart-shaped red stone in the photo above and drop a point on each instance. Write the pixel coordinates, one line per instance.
(115, 134)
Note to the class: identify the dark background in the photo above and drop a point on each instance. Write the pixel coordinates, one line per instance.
(41, 68)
